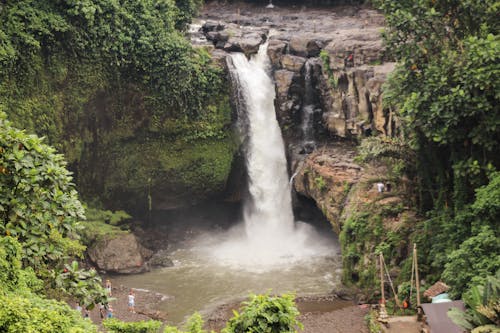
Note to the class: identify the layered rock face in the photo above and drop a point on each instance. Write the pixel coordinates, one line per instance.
(342, 46)
(329, 66)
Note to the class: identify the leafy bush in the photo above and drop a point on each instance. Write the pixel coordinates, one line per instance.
(39, 204)
(483, 307)
(117, 326)
(83, 285)
(24, 311)
(476, 258)
(40, 208)
(194, 325)
(266, 314)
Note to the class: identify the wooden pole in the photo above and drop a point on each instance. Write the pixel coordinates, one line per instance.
(382, 277)
(417, 279)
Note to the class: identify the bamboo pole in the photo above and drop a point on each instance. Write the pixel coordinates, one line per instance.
(417, 279)
(382, 277)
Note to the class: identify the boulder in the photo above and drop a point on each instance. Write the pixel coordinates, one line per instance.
(292, 63)
(275, 49)
(161, 259)
(122, 254)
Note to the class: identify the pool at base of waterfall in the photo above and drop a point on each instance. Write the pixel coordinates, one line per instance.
(200, 283)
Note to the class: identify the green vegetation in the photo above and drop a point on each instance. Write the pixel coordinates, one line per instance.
(96, 75)
(114, 325)
(40, 208)
(445, 88)
(260, 314)
(194, 325)
(23, 308)
(266, 314)
(325, 58)
(364, 235)
(320, 183)
(39, 204)
(483, 304)
(102, 224)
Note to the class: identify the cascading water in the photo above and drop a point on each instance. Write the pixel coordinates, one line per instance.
(271, 236)
(308, 110)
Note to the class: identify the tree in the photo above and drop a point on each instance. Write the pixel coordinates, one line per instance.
(483, 307)
(39, 204)
(23, 309)
(476, 258)
(446, 89)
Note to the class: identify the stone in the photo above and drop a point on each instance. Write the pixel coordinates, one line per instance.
(122, 254)
(160, 259)
(292, 63)
(275, 49)
(283, 79)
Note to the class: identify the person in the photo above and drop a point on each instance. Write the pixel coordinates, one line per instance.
(102, 311)
(131, 301)
(86, 313)
(78, 307)
(349, 60)
(108, 287)
(380, 187)
(110, 311)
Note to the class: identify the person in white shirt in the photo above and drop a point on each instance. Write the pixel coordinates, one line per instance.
(131, 301)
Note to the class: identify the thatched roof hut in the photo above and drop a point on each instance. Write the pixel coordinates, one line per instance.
(436, 289)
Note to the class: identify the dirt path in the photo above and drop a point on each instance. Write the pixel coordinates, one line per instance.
(346, 320)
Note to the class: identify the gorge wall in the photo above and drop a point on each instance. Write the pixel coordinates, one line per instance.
(339, 53)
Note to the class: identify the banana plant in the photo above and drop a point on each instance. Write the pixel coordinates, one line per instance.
(483, 307)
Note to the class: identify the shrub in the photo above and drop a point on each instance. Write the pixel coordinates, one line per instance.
(266, 314)
(117, 326)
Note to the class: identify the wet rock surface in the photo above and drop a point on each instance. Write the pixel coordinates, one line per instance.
(347, 80)
(122, 254)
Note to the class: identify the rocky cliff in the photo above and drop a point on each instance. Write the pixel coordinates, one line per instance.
(330, 63)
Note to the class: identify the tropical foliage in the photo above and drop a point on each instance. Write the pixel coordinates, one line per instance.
(117, 326)
(446, 89)
(266, 314)
(93, 76)
(39, 204)
(194, 324)
(483, 307)
(23, 309)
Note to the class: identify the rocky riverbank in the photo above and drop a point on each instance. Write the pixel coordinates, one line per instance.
(319, 314)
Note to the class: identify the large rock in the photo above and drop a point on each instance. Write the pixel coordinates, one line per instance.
(326, 177)
(292, 63)
(122, 254)
(275, 49)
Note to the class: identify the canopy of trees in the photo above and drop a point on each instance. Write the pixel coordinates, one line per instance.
(446, 87)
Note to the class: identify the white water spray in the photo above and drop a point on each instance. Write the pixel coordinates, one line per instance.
(270, 236)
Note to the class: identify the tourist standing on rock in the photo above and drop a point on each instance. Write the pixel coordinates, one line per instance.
(108, 287)
(131, 301)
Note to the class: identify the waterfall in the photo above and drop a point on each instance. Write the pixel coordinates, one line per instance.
(269, 235)
(308, 110)
(270, 203)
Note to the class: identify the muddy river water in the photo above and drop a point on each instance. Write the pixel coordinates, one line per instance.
(197, 282)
